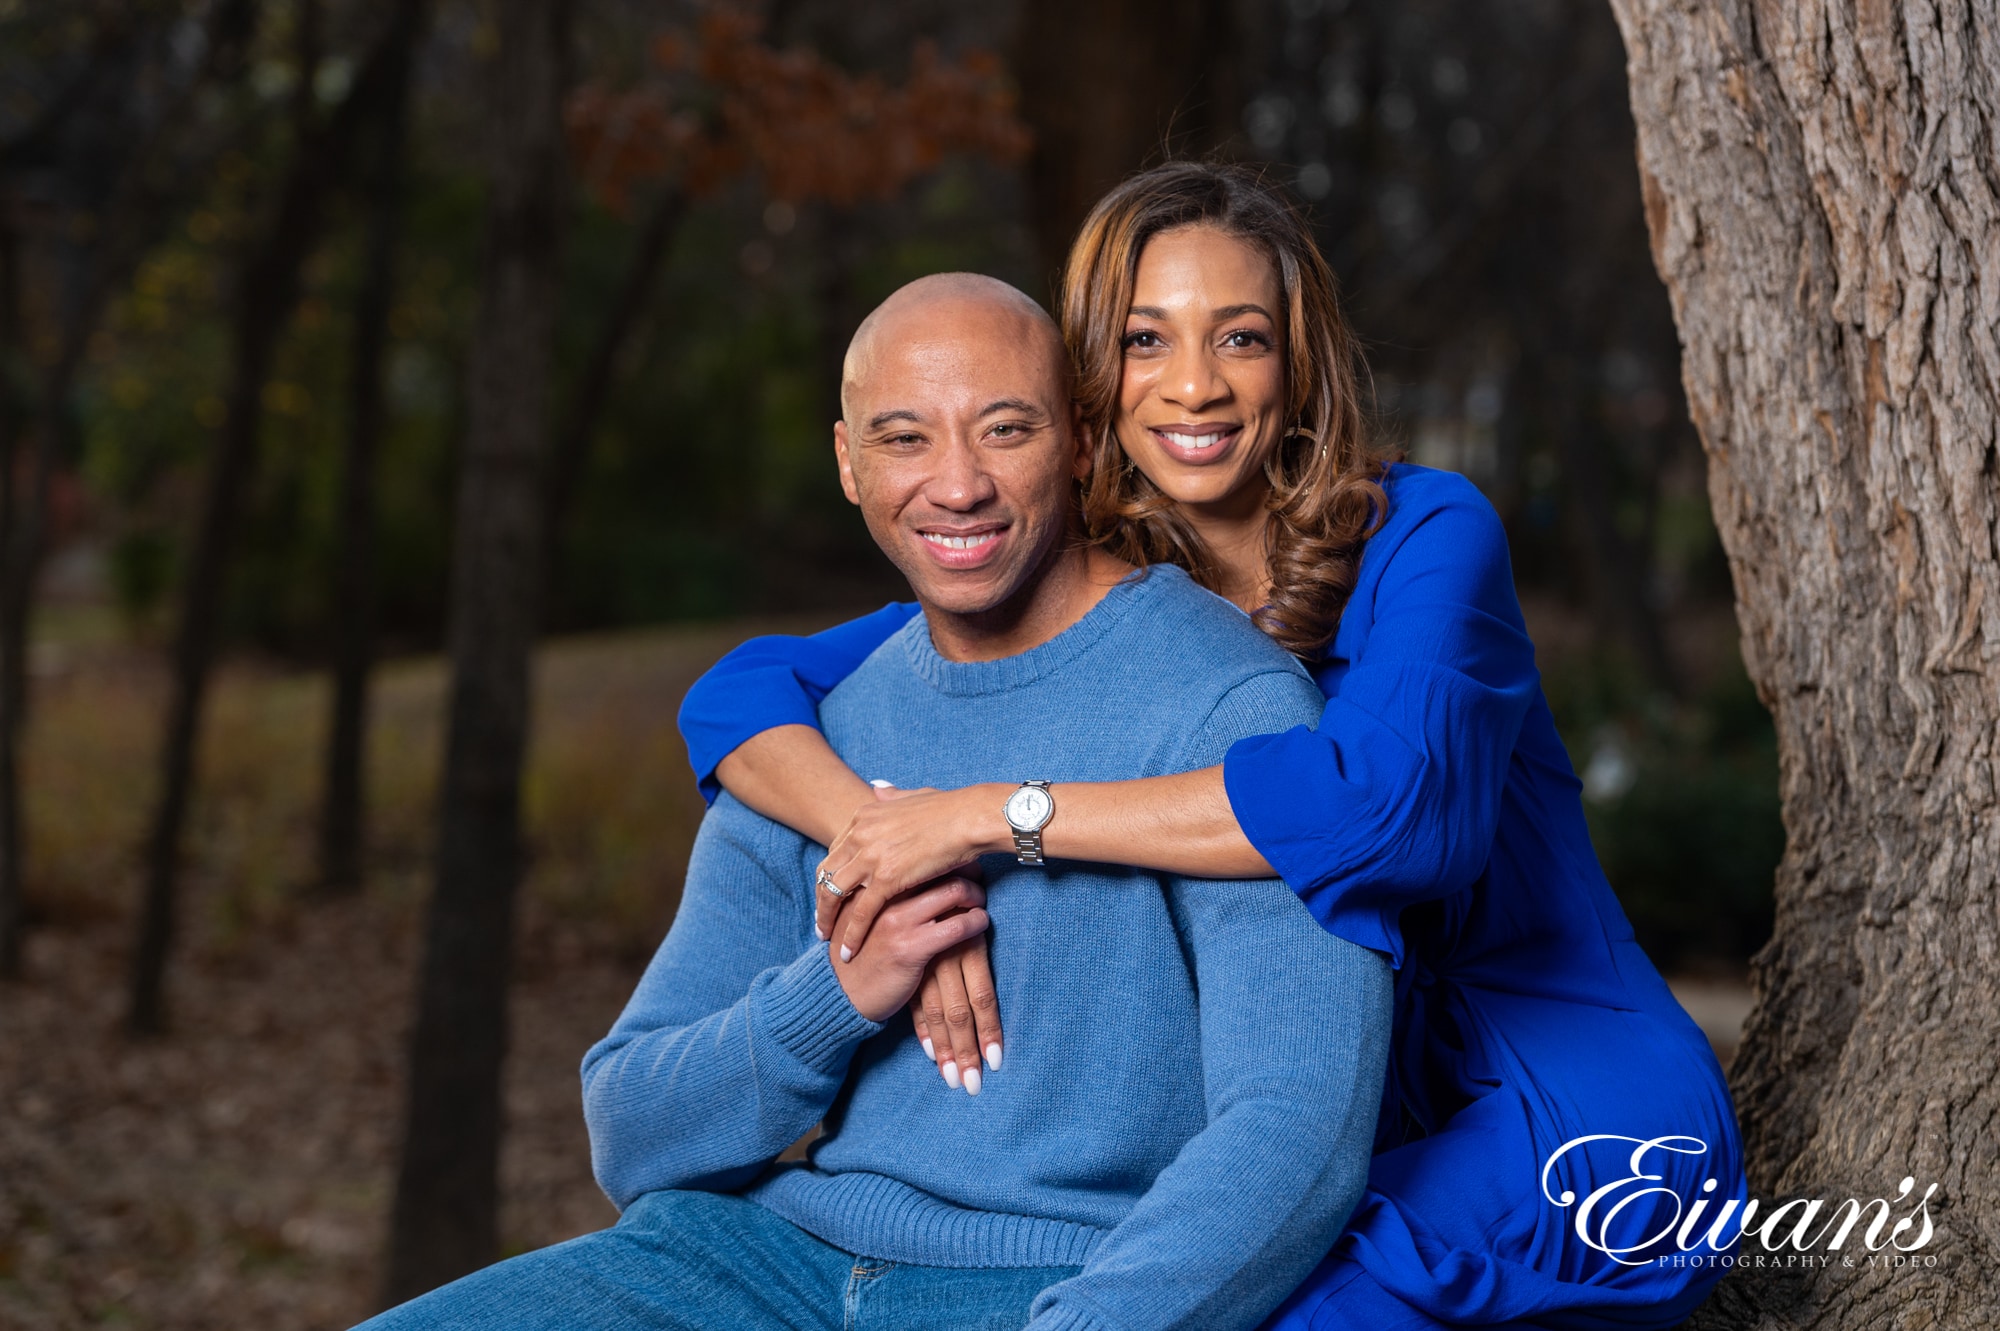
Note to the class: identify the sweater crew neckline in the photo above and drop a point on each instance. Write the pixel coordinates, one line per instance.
(962, 679)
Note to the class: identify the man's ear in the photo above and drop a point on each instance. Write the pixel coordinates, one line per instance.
(846, 463)
(1079, 432)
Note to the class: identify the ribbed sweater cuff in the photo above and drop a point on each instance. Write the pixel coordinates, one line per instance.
(806, 1011)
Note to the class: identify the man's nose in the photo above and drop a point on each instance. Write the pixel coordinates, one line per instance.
(1193, 380)
(960, 480)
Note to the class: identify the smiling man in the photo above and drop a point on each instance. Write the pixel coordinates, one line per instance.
(1187, 1174)
(970, 495)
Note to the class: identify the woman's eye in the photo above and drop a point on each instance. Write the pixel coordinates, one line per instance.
(1144, 339)
(1244, 338)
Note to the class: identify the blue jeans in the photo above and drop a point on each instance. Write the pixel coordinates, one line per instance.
(703, 1261)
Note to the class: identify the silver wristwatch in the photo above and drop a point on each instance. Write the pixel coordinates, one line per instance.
(1028, 811)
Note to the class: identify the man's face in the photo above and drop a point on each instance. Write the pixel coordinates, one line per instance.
(960, 448)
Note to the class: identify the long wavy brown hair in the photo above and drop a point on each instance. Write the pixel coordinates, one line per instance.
(1326, 497)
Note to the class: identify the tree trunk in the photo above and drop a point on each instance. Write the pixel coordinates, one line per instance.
(445, 1216)
(267, 290)
(306, 53)
(570, 451)
(13, 646)
(121, 234)
(1110, 87)
(20, 568)
(1821, 188)
(344, 810)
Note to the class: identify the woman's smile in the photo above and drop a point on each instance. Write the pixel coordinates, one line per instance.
(1198, 445)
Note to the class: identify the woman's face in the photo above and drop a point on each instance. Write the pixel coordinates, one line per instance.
(1203, 400)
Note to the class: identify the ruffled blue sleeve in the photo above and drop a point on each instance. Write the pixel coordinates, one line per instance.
(772, 681)
(1395, 797)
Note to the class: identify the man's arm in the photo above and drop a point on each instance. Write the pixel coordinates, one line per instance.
(1254, 1201)
(738, 1036)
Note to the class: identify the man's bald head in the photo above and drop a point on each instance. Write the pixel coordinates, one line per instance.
(958, 441)
(938, 304)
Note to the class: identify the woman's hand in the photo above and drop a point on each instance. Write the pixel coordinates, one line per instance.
(957, 1015)
(917, 928)
(905, 838)
(886, 848)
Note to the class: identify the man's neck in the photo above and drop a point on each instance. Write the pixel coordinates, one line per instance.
(1068, 587)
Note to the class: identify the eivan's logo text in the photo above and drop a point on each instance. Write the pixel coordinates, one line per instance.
(1788, 1228)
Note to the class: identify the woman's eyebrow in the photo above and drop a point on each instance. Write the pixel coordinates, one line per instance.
(1226, 312)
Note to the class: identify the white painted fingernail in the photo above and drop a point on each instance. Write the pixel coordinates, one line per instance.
(818, 932)
(993, 1056)
(930, 1051)
(972, 1081)
(846, 952)
(951, 1077)
(880, 784)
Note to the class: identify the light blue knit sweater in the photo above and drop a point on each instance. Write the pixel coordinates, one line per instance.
(1192, 1066)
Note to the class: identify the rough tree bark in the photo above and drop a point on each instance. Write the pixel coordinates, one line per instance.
(267, 290)
(343, 808)
(1821, 188)
(445, 1216)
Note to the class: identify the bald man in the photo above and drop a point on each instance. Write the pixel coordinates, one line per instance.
(1188, 1174)
(958, 442)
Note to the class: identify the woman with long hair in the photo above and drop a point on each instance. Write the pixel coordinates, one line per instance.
(1432, 815)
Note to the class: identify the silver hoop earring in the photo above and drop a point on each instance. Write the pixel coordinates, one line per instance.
(1274, 465)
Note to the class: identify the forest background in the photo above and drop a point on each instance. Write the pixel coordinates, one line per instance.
(241, 251)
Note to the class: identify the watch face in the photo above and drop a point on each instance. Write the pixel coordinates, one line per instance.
(1029, 807)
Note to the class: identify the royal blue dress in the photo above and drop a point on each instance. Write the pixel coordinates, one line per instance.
(1433, 815)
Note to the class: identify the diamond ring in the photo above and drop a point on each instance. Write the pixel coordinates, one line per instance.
(831, 888)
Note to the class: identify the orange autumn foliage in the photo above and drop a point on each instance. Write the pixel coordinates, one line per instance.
(723, 103)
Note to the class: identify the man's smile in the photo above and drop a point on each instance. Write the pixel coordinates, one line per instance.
(962, 547)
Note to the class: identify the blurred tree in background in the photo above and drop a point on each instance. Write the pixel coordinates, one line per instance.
(119, 109)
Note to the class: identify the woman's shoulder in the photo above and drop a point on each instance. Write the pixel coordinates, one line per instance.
(1442, 543)
(1419, 494)
(1434, 514)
